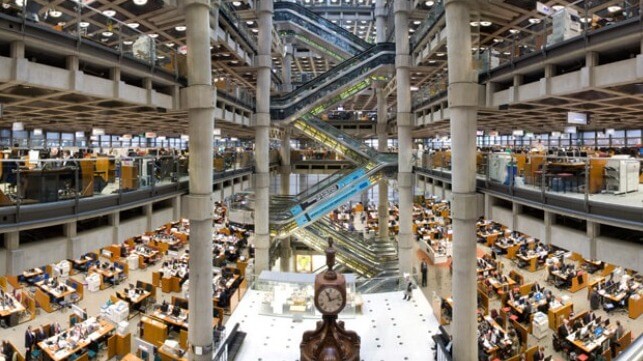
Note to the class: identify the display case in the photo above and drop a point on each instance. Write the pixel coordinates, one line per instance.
(291, 295)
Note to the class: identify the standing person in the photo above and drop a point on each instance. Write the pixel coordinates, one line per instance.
(423, 269)
(30, 339)
(408, 292)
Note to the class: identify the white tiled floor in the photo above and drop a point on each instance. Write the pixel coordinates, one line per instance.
(390, 328)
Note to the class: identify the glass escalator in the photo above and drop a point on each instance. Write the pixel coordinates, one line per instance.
(341, 82)
(354, 251)
(289, 16)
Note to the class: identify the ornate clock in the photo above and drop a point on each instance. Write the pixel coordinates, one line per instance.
(330, 341)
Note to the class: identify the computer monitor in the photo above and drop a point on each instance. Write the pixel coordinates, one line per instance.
(583, 331)
(598, 331)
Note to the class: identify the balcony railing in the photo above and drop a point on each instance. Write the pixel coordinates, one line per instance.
(583, 184)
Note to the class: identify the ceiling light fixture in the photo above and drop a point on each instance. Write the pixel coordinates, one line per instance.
(153, 35)
(612, 9)
(250, 22)
(236, 3)
(83, 24)
(429, 3)
(140, 2)
(109, 13)
(497, 40)
(514, 31)
(558, 7)
(180, 28)
(55, 13)
(107, 33)
(169, 45)
(485, 23)
(439, 54)
(534, 21)
(128, 42)
(417, 22)
(133, 25)
(474, 23)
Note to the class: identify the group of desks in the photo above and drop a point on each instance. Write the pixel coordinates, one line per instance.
(62, 346)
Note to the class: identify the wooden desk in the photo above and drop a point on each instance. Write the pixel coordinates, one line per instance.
(556, 315)
(131, 357)
(589, 347)
(29, 275)
(106, 274)
(181, 321)
(531, 260)
(136, 302)
(635, 307)
(8, 310)
(55, 293)
(57, 354)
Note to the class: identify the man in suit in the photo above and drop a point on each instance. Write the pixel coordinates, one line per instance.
(618, 333)
(526, 312)
(424, 269)
(540, 354)
(564, 330)
(30, 340)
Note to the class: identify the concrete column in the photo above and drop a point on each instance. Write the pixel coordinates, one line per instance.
(14, 254)
(114, 221)
(70, 232)
(115, 73)
(593, 231)
(262, 125)
(287, 69)
(545, 82)
(285, 152)
(488, 206)
(463, 100)
(72, 62)
(380, 21)
(587, 72)
(198, 204)
(17, 49)
(382, 140)
(490, 90)
(516, 209)
(286, 255)
(148, 211)
(404, 126)
(176, 208)
(550, 220)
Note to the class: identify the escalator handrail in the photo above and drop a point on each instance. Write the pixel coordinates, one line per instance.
(349, 141)
(315, 83)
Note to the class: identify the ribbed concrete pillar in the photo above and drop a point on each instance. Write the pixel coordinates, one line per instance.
(380, 21)
(404, 125)
(382, 136)
(262, 125)
(287, 69)
(198, 204)
(382, 140)
(463, 100)
(70, 231)
(114, 220)
(14, 261)
(550, 220)
(286, 256)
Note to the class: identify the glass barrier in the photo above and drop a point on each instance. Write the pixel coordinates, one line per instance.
(579, 19)
(86, 24)
(31, 180)
(614, 180)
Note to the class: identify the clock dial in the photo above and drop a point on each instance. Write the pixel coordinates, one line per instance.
(330, 300)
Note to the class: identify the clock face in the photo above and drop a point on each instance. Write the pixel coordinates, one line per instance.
(330, 300)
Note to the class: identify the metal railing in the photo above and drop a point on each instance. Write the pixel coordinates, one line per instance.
(590, 183)
(27, 181)
(86, 24)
